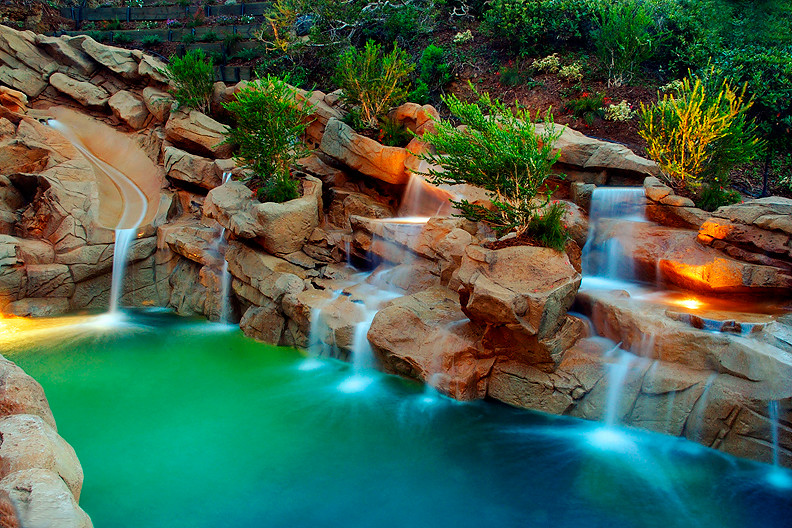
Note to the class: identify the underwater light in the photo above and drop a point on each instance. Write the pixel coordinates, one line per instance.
(689, 303)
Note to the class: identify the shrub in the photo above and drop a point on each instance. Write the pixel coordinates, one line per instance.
(373, 82)
(433, 74)
(269, 124)
(546, 226)
(619, 112)
(210, 36)
(121, 38)
(500, 152)
(528, 24)
(193, 78)
(393, 134)
(151, 40)
(189, 38)
(463, 37)
(624, 38)
(713, 195)
(587, 106)
(112, 25)
(549, 64)
(701, 134)
(571, 72)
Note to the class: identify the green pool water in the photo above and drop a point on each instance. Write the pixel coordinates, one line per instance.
(181, 423)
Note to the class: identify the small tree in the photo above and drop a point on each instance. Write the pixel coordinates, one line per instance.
(193, 79)
(624, 38)
(270, 122)
(373, 82)
(500, 151)
(700, 135)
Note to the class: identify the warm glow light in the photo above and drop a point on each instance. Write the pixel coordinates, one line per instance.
(689, 303)
(404, 220)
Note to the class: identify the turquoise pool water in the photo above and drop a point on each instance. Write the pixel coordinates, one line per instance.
(181, 423)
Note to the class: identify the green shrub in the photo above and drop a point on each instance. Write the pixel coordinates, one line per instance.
(531, 24)
(624, 38)
(151, 40)
(210, 36)
(434, 73)
(393, 134)
(546, 226)
(121, 38)
(112, 25)
(713, 195)
(498, 150)
(193, 78)
(189, 38)
(698, 136)
(269, 124)
(587, 106)
(373, 82)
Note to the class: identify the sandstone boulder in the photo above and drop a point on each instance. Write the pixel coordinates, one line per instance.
(157, 102)
(13, 100)
(415, 117)
(29, 443)
(426, 336)
(363, 154)
(196, 131)
(261, 276)
(118, 60)
(21, 394)
(43, 500)
(344, 203)
(190, 168)
(129, 109)
(593, 155)
(85, 93)
(285, 227)
(73, 57)
(23, 66)
(524, 288)
(152, 68)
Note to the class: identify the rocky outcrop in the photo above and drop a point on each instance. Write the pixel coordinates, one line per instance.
(363, 154)
(520, 294)
(129, 109)
(594, 161)
(666, 208)
(186, 167)
(680, 260)
(757, 231)
(280, 228)
(85, 93)
(38, 470)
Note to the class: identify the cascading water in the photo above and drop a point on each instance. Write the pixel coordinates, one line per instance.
(607, 260)
(772, 412)
(225, 276)
(123, 240)
(617, 374)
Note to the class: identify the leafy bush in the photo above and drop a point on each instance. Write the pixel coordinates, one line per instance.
(571, 72)
(121, 38)
(513, 74)
(547, 228)
(624, 39)
(151, 40)
(269, 123)
(463, 37)
(210, 36)
(714, 195)
(701, 134)
(433, 74)
(619, 112)
(549, 64)
(112, 25)
(393, 134)
(500, 152)
(587, 106)
(528, 24)
(373, 82)
(193, 78)
(189, 38)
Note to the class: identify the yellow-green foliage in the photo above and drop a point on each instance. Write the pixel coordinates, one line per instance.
(682, 133)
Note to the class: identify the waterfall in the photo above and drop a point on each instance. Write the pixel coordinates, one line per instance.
(617, 374)
(225, 276)
(695, 421)
(608, 259)
(123, 240)
(772, 412)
